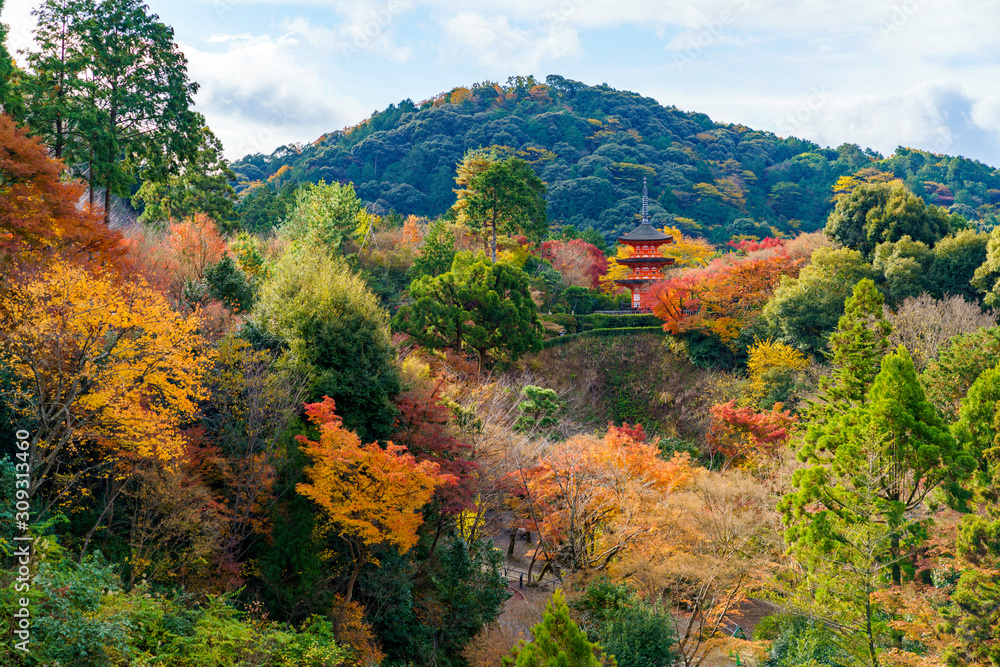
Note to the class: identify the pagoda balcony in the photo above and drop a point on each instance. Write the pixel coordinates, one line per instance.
(666, 261)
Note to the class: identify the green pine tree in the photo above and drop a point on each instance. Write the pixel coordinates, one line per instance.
(858, 345)
(558, 642)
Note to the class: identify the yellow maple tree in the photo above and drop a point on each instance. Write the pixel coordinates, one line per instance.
(100, 360)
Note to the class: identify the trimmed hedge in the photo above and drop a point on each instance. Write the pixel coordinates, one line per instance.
(599, 321)
(600, 333)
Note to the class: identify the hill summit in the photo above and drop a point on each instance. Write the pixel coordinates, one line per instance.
(593, 145)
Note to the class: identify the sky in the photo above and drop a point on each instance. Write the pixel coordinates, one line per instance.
(917, 73)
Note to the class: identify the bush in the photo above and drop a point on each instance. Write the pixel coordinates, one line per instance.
(636, 633)
(796, 640)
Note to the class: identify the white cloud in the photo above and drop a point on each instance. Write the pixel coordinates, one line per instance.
(494, 43)
(939, 117)
(260, 93)
(364, 27)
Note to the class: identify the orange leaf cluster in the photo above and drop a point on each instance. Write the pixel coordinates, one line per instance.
(723, 297)
(39, 210)
(592, 497)
(103, 360)
(373, 494)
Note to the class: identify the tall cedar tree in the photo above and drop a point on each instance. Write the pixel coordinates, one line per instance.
(122, 98)
(853, 516)
(858, 345)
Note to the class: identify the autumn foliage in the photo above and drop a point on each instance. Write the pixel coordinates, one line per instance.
(739, 432)
(424, 426)
(593, 497)
(38, 209)
(581, 264)
(373, 495)
(724, 297)
(104, 361)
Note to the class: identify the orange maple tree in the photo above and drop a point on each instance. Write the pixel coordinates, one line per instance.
(590, 498)
(372, 494)
(39, 209)
(723, 297)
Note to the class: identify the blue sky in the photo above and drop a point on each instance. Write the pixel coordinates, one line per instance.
(918, 73)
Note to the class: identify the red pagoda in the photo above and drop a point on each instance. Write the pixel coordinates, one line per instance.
(646, 262)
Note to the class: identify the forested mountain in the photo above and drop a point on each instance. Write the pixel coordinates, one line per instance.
(593, 145)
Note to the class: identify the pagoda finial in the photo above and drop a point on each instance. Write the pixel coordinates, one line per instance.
(645, 203)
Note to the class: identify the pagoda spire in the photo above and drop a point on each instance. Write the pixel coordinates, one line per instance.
(645, 203)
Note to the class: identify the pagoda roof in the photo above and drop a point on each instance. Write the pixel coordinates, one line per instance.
(645, 232)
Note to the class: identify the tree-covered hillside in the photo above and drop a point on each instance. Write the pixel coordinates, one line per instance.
(592, 145)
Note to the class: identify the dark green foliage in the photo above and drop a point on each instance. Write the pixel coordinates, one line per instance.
(600, 333)
(201, 187)
(598, 321)
(905, 266)
(978, 429)
(506, 198)
(581, 301)
(81, 615)
(857, 346)
(426, 607)
(109, 89)
(476, 306)
(956, 259)
(797, 641)
(708, 352)
(538, 409)
(878, 212)
(10, 93)
(974, 613)
(227, 283)
(65, 625)
(987, 277)
(636, 633)
(600, 140)
(262, 209)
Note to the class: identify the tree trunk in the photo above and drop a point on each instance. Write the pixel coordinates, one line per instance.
(359, 561)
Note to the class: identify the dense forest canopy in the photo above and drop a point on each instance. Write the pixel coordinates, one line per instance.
(375, 401)
(592, 146)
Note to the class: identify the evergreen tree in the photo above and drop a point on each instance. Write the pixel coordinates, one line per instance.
(437, 252)
(858, 345)
(558, 642)
(109, 91)
(480, 306)
(852, 517)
